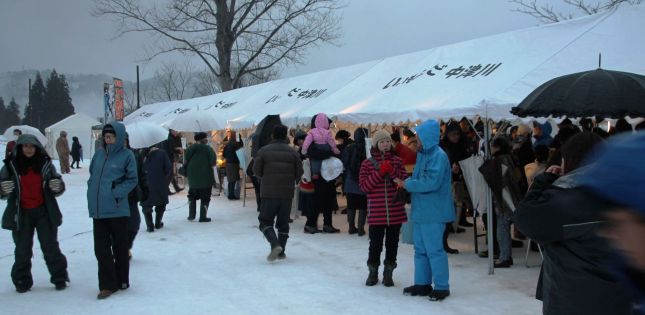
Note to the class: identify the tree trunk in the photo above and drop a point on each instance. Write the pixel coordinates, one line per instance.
(224, 42)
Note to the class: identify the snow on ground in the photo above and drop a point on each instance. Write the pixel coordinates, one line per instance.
(220, 268)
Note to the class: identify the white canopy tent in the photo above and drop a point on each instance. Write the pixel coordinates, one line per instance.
(77, 125)
(480, 77)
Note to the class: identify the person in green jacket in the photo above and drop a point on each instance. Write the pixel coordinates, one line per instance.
(199, 160)
(30, 184)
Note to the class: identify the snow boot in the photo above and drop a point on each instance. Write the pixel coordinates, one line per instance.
(149, 224)
(158, 218)
(282, 240)
(439, 295)
(202, 212)
(192, 209)
(372, 278)
(418, 290)
(330, 229)
(387, 274)
(311, 229)
(351, 218)
(362, 217)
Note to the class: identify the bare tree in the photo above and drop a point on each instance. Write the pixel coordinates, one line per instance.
(171, 81)
(547, 14)
(236, 40)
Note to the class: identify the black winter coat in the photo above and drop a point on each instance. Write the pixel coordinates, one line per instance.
(158, 170)
(76, 150)
(575, 276)
(280, 168)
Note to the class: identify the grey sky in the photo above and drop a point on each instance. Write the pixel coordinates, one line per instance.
(40, 34)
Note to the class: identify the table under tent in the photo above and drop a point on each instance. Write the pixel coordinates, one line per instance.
(477, 79)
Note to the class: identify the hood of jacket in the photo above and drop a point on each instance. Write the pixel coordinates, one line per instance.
(546, 130)
(29, 139)
(429, 134)
(322, 121)
(119, 145)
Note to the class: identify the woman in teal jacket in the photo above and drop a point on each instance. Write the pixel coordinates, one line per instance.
(432, 208)
(113, 174)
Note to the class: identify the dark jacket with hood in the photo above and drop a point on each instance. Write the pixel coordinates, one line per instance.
(501, 173)
(113, 175)
(200, 159)
(456, 151)
(279, 166)
(352, 158)
(13, 215)
(575, 277)
(158, 171)
(76, 149)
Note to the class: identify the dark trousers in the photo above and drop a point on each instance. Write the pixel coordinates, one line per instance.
(231, 190)
(134, 221)
(75, 161)
(312, 218)
(391, 235)
(278, 209)
(485, 221)
(256, 186)
(203, 194)
(37, 220)
(111, 250)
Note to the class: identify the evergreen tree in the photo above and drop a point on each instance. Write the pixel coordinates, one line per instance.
(3, 115)
(35, 110)
(12, 113)
(57, 100)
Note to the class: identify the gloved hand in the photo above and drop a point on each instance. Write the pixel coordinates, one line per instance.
(386, 168)
(56, 185)
(7, 187)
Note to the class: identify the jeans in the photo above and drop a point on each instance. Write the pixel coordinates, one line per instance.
(504, 235)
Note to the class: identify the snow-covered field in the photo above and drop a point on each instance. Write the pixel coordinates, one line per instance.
(220, 268)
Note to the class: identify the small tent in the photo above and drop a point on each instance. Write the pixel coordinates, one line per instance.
(77, 125)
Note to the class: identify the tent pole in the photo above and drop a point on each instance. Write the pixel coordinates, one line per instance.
(489, 200)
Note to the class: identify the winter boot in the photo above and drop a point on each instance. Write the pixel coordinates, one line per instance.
(439, 295)
(372, 278)
(202, 212)
(158, 218)
(276, 249)
(351, 218)
(148, 217)
(418, 290)
(311, 229)
(192, 209)
(387, 274)
(282, 239)
(330, 229)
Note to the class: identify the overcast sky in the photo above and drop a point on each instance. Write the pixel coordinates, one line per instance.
(62, 34)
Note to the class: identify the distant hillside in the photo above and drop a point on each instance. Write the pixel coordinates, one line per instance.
(86, 90)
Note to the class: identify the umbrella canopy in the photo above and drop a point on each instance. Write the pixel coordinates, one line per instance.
(194, 121)
(26, 130)
(263, 133)
(601, 93)
(145, 134)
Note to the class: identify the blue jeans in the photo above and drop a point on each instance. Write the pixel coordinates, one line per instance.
(430, 259)
(504, 235)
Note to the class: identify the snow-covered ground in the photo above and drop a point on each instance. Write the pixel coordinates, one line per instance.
(220, 268)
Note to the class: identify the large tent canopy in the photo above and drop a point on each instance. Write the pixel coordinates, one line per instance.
(480, 77)
(77, 125)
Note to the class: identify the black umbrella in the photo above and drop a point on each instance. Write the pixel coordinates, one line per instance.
(263, 133)
(600, 93)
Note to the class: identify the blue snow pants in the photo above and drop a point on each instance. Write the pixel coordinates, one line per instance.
(430, 259)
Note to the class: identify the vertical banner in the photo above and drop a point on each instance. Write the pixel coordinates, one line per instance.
(107, 108)
(119, 107)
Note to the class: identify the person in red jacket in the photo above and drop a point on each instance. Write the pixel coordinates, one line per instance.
(11, 144)
(406, 154)
(385, 214)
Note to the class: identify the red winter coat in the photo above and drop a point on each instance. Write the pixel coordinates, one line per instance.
(381, 207)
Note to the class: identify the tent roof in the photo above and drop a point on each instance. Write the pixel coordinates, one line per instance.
(78, 119)
(480, 77)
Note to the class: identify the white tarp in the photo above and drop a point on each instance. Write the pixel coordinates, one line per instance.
(77, 125)
(485, 76)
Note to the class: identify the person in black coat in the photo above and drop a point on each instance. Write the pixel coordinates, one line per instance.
(76, 152)
(559, 214)
(232, 164)
(158, 171)
(135, 196)
(173, 147)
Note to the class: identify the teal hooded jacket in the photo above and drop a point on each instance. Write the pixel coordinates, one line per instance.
(430, 184)
(113, 174)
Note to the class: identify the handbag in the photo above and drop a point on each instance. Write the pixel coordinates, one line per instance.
(306, 187)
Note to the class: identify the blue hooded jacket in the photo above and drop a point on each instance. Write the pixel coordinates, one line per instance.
(113, 174)
(545, 139)
(430, 184)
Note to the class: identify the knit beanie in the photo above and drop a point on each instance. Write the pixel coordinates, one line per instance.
(380, 135)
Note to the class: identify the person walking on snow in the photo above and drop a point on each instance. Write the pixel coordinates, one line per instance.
(158, 171)
(432, 208)
(76, 152)
(113, 175)
(62, 147)
(30, 184)
(279, 167)
(385, 214)
(321, 137)
(199, 160)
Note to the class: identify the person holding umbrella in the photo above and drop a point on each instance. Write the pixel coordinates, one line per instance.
(30, 184)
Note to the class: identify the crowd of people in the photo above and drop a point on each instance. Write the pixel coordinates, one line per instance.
(577, 195)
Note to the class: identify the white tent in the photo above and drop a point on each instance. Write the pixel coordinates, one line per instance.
(485, 76)
(77, 125)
